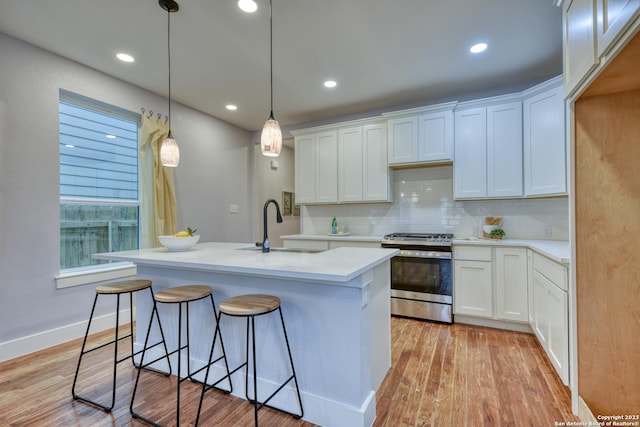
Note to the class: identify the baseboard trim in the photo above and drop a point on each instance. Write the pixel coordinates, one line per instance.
(585, 414)
(40, 341)
(492, 323)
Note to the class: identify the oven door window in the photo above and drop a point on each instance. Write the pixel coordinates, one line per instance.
(427, 275)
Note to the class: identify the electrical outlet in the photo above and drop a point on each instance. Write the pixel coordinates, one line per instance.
(233, 209)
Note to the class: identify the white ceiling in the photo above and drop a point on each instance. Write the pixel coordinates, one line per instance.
(385, 55)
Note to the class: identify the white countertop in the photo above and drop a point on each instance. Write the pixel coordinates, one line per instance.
(349, 237)
(337, 265)
(557, 250)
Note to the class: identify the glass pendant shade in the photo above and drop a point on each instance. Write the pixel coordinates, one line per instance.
(271, 139)
(169, 152)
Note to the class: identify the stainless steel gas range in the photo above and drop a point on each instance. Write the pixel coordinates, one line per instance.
(421, 282)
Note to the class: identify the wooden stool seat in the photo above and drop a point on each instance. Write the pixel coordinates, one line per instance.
(183, 293)
(249, 305)
(122, 287)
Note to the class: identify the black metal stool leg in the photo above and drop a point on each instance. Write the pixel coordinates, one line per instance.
(293, 370)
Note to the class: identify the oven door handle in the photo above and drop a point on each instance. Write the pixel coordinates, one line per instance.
(425, 254)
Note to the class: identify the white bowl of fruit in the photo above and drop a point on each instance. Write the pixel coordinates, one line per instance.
(181, 241)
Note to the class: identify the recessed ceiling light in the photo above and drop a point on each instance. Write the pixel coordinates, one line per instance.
(330, 83)
(232, 107)
(125, 57)
(248, 6)
(477, 48)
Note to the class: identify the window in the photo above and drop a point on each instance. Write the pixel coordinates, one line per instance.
(99, 203)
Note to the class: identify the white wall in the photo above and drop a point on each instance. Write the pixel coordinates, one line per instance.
(214, 172)
(269, 184)
(423, 202)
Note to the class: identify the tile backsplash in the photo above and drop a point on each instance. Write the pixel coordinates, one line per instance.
(423, 202)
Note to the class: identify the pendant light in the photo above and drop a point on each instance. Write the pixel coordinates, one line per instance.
(271, 139)
(169, 150)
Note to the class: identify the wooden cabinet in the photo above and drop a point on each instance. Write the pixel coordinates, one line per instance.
(545, 159)
(421, 136)
(550, 319)
(491, 282)
(316, 168)
(342, 163)
(510, 269)
(488, 152)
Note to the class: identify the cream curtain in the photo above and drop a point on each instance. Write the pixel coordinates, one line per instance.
(158, 211)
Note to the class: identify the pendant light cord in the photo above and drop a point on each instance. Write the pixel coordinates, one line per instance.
(271, 52)
(169, 61)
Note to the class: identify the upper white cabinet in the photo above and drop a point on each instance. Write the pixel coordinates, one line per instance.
(613, 17)
(488, 151)
(363, 173)
(316, 167)
(591, 28)
(545, 164)
(470, 165)
(421, 136)
(579, 41)
(342, 163)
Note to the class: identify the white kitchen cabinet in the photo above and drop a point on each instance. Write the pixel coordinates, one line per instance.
(504, 150)
(362, 159)
(305, 169)
(350, 164)
(435, 137)
(342, 163)
(488, 152)
(491, 282)
(421, 136)
(376, 177)
(550, 320)
(316, 168)
(470, 158)
(545, 164)
(613, 17)
(591, 28)
(510, 269)
(473, 281)
(403, 140)
(579, 41)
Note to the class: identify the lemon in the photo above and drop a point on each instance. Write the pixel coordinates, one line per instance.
(181, 234)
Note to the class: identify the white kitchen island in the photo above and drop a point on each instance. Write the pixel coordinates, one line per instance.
(335, 306)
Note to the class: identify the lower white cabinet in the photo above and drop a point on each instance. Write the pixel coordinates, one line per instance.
(550, 319)
(511, 284)
(491, 282)
(473, 289)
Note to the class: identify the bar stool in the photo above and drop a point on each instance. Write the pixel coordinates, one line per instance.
(181, 295)
(118, 289)
(250, 306)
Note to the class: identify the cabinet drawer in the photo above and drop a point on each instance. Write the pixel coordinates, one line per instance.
(556, 273)
(472, 253)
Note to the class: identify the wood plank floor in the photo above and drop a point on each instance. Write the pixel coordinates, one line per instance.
(442, 375)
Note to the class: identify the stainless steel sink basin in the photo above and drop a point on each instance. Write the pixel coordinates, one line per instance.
(292, 250)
